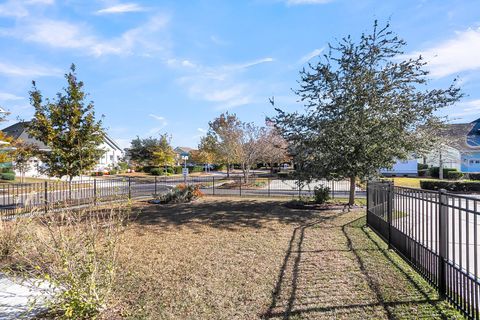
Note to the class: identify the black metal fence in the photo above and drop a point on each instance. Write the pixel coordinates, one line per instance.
(24, 198)
(436, 232)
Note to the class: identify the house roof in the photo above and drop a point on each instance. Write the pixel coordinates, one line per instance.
(464, 136)
(19, 131)
(183, 149)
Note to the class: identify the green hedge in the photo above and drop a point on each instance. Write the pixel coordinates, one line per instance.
(156, 171)
(8, 176)
(178, 169)
(474, 176)
(195, 169)
(454, 175)
(458, 186)
(434, 171)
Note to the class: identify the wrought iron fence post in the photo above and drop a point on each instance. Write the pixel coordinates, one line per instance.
(129, 187)
(269, 180)
(389, 212)
(95, 191)
(442, 242)
(299, 189)
(46, 196)
(213, 184)
(240, 186)
(368, 202)
(155, 179)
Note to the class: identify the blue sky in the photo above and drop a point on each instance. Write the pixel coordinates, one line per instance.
(171, 66)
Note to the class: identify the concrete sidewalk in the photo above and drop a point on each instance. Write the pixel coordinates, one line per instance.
(16, 297)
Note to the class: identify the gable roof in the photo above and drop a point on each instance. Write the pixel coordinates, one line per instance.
(183, 149)
(464, 136)
(19, 131)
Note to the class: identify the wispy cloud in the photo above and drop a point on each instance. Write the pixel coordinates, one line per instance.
(69, 35)
(122, 8)
(300, 2)
(221, 85)
(468, 108)
(27, 71)
(5, 96)
(309, 56)
(455, 55)
(20, 8)
(161, 119)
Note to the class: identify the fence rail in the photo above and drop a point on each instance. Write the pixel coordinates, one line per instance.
(437, 233)
(24, 198)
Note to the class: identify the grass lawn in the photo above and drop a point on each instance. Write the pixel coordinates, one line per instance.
(410, 182)
(222, 258)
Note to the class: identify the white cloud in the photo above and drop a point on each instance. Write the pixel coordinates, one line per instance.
(309, 56)
(162, 120)
(5, 96)
(122, 8)
(68, 35)
(201, 130)
(458, 54)
(220, 84)
(300, 2)
(20, 8)
(27, 71)
(468, 108)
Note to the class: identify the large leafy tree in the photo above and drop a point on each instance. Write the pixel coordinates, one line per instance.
(141, 151)
(225, 134)
(67, 125)
(163, 153)
(367, 105)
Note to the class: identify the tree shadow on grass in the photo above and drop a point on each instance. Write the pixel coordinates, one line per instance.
(222, 214)
(341, 270)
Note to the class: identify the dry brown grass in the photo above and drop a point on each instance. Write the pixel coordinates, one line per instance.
(249, 259)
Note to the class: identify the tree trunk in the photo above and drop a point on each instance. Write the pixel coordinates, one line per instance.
(228, 170)
(351, 199)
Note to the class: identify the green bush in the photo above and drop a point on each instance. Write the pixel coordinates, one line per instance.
(434, 171)
(195, 169)
(219, 167)
(283, 175)
(422, 169)
(474, 176)
(454, 175)
(113, 171)
(322, 194)
(178, 169)
(147, 169)
(457, 186)
(170, 170)
(156, 171)
(8, 176)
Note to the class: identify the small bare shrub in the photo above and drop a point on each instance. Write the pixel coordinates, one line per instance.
(76, 253)
(10, 236)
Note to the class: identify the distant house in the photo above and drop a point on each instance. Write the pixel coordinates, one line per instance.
(462, 150)
(18, 131)
(180, 152)
(402, 168)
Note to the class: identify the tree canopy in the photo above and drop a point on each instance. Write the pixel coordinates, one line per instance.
(67, 125)
(367, 105)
